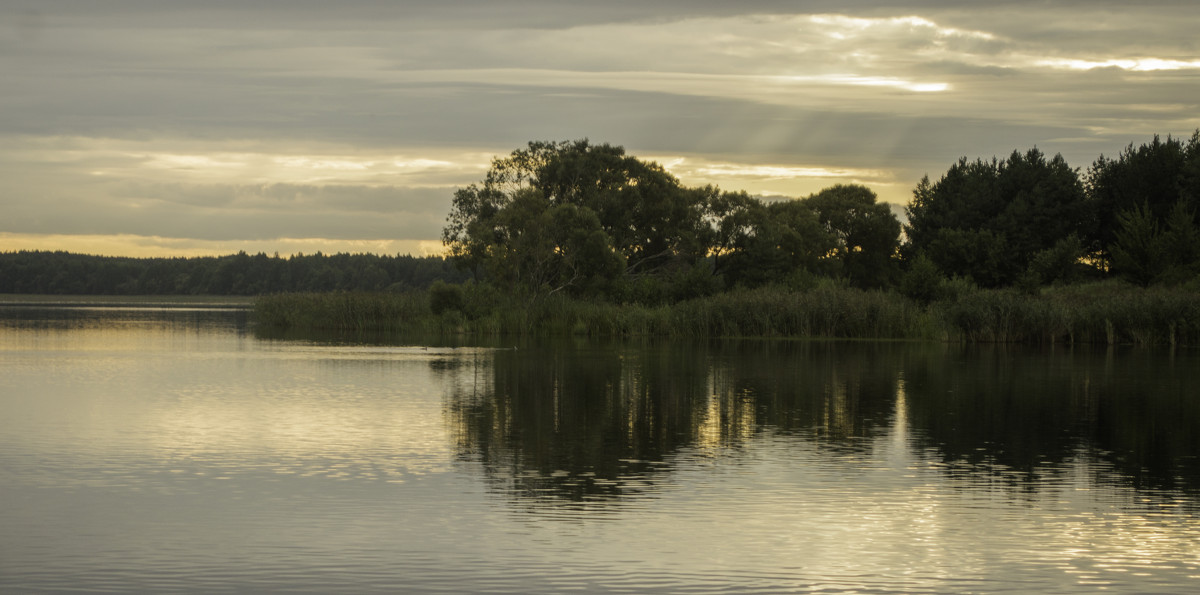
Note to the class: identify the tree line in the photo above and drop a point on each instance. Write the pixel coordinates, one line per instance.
(590, 220)
(42, 272)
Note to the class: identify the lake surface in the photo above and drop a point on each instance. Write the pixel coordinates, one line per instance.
(176, 450)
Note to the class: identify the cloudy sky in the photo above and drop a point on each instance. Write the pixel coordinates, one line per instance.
(161, 127)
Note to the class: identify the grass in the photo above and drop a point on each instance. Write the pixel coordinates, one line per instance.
(772, 311)
(1105, 313)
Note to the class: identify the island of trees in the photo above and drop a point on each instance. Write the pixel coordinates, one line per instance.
(576, 237)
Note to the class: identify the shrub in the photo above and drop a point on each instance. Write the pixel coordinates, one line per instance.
(922, 282)
(444, 297)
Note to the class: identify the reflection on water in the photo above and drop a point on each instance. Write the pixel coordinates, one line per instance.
(178, 451)
(593, 421)
(600, 421)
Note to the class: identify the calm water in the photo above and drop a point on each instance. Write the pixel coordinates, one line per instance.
(176, 451)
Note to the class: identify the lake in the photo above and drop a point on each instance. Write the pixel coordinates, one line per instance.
(178, 450)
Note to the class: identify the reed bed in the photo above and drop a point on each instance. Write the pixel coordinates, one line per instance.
(1103, 313)
(345, 311)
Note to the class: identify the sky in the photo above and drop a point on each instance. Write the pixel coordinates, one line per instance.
(183, 128)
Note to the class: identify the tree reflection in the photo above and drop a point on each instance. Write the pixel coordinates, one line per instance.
(585, 422)
(1029, 415)
(595, 423)
(576, 423)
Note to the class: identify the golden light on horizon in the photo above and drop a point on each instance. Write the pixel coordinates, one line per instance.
(136, 246)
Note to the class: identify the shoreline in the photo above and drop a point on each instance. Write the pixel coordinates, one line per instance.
(1094, 313)
(13, 300)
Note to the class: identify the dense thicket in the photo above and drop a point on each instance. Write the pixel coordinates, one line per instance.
(239, 274)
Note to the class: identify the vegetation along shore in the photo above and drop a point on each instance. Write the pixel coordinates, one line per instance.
(1100, 313)
(579, 238)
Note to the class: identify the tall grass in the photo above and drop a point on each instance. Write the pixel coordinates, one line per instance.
(772, 311)
(345, 311)
(1106, 312)
(1096, 313)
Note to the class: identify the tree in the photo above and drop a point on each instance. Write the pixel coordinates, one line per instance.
(1146, 252)
(775, 241)
(988, 220)
(1150, 179)
(730, 219)
(866, 233)
(559, 215)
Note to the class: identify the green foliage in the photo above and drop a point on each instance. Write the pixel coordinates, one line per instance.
(866, 233)
(1061, 263)
(988, 220)
(590, 220)
(1105, 313)
(575, 216)
(1146, 253)
(1137, 249)
(922, 282)
(981, 254)
(1154, 177)
(776, 240)
(444, 297)
(354, 311)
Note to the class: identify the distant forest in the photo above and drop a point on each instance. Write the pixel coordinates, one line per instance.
(63, 273)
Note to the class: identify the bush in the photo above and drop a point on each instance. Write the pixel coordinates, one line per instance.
(444, 297)
(922, 282)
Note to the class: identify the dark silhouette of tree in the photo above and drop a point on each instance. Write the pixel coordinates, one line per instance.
(989, 220)
(866, 233)
(592, 220)
(776, 241)
(1147, 200)
(573, 215)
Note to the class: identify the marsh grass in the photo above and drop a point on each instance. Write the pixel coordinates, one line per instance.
(771, 311)
(346, 311)
(1107, 312)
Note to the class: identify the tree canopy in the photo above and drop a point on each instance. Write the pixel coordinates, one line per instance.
(589, 218)
(988, 220)
(1147, 202)
(571, 214)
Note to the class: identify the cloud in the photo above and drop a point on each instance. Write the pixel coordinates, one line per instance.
(224, 120)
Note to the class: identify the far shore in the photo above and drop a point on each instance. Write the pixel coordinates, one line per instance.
(127, 301)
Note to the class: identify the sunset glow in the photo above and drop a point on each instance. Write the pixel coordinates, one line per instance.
(127, 131)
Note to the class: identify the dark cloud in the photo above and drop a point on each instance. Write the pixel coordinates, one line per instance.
(900, 88)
